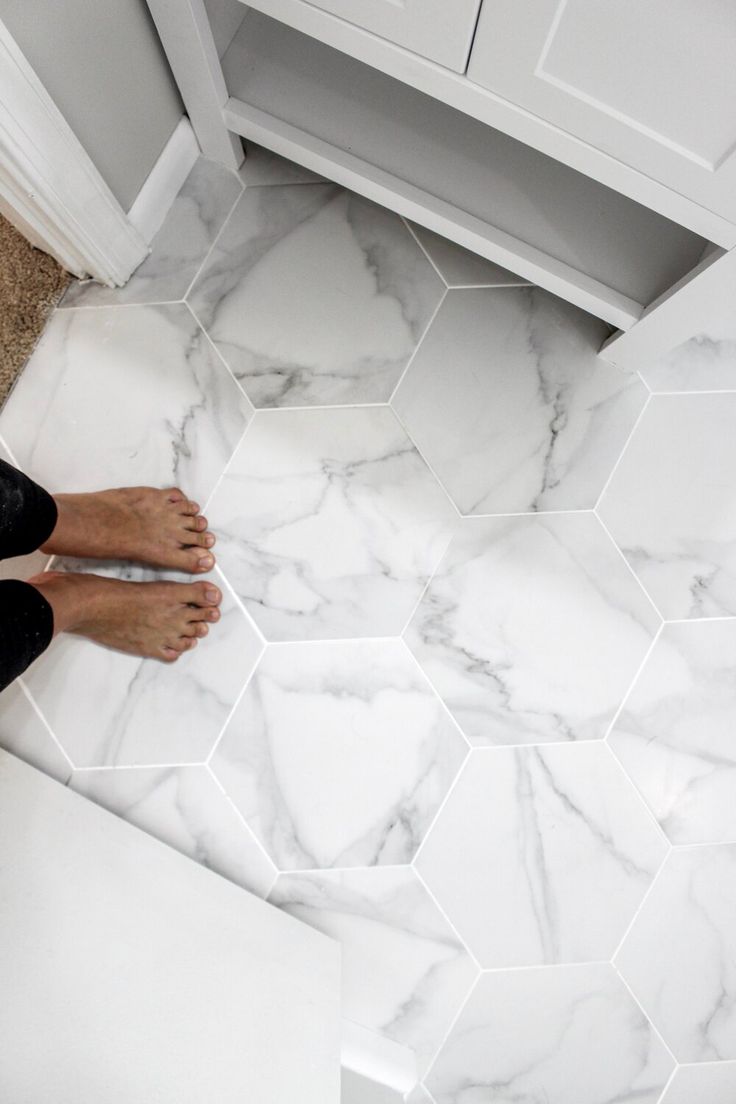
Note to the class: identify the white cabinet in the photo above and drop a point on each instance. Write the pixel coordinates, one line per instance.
(441, 30)
(650, 82)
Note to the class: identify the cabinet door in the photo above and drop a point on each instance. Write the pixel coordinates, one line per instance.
(651, 82)
(441, 30)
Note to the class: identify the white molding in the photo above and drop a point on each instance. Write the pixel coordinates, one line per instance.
(162, 185)
(49, 187)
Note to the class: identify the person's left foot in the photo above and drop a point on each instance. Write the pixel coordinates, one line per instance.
(142, 524)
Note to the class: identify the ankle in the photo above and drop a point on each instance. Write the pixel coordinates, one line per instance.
(71, 597)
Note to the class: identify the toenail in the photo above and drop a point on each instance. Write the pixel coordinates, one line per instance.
(206, 561)
(209, 541)
(211, 594)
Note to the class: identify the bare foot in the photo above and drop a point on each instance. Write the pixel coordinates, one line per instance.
(155, 620)
(142, 524)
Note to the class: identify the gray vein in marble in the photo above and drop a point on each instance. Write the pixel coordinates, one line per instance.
(329, 523)
(315, 296)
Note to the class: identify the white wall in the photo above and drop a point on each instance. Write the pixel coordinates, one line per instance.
(103, 64)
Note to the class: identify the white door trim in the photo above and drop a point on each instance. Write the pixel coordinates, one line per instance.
(49, 188)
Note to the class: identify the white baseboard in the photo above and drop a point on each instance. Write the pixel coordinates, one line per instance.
(162, 184)
(378, 1060)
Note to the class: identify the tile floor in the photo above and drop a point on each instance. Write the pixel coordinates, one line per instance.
(471, 706)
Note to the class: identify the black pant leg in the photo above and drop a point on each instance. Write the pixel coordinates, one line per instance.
(26, 628)
(27, 513)
(27, 519)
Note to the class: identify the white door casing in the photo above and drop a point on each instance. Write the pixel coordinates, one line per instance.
(650, 82)
(49, 187)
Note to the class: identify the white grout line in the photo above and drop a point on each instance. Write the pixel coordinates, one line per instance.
(73, 308)
(642, 903)
(221, 358)
(648, 1018)
(667, 1083)
(246, 826)
(450, 499)
(37, 710)
(634, 681)
(621, 455)
(629, 568)
(424, 250)
(215, 240)
(418, 345)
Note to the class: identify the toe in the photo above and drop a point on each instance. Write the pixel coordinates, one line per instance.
(200, 540)
(173, 494)
(201, 628)
(193, 559)
(204, 594)
(168, 654)
(196, 524)
(189, 509)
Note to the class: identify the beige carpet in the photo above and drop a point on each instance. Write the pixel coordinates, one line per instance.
(31, 283)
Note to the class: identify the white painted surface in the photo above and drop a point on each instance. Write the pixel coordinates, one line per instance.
(130, 973)
(450, 173)
(501, 113)
(437, 30)
(103, 66)
(49, 187)
(163, 183)
(361, 1090)
(614, 74)
(188, 37)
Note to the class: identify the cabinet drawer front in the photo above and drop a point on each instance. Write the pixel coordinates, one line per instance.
(653, 84)
(440, 30)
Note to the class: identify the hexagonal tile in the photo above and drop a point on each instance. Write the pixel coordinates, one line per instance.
(329, 523)
(125, 395)
(528, 417)
(706, 362)
(532, 629)
(404, 972)
(304, 755)
(178, 249)
(110, 709)
(541, 855)
(568, 1035)
(184, 807)
(711, 1084)
(459, 267)
(671, 506)
(315, 296)
(24, 733)
(680, 956)
(675, 736)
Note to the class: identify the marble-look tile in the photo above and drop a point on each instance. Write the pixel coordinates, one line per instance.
(262, 166)
(20, 567)
(184, 807)
(315, 296)
(680, 956)
(23, 733)
(329, 523)
(196, 217)
(304, 755)
(459, 267)
(125, 396)
(404, 972)
(704, 363)
(419, 1096)
(675, 736)
(532, 629)
(510, 404)
(110, 709)
(706, 1084)
(671, 504)
(541, 855)
(567, 1035)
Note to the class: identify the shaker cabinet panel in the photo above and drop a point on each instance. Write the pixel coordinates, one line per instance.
(650, 82)
(440, 30)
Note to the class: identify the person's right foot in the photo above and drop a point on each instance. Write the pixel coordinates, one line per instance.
(158, 620)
